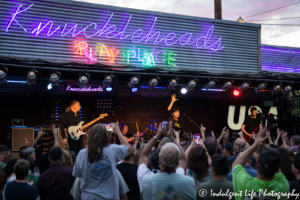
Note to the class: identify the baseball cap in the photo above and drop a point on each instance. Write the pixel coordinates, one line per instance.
(270, 159)
(229, 147)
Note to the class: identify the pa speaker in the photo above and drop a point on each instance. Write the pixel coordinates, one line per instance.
(21, 137)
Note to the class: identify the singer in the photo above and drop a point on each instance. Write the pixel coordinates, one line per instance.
(173, 115)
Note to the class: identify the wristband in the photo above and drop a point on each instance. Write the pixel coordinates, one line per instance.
(155, 137)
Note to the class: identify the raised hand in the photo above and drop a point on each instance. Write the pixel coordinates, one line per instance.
(169, 134)
(240, 134)
(40, 132)
(268, 133)
(278, 132)
(213, 134)
(177, 133)
(202, 129)
(260, 136)
(55, 130)
(160, 130)
(223, 131)
(173, 97)
(226, 133)
(115, 127)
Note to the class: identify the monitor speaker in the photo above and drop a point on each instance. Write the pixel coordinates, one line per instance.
(21, 137)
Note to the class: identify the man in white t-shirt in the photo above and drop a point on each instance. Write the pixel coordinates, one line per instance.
(144, 171)
(168, 184)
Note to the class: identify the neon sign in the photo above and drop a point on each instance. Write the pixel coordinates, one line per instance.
(148, 59)
(202, 42)
(85, 89)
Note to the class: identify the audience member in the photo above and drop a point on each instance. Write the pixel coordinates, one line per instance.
(295, 141)
(42, 158)
(7, 175)
(153, 161)
(228, 150)
(123, 189)
(57, 181)
(29, 155)
(198, 163)
(20, 151)
(252, 172)
(219, 168)
(211, 146)
(168, 184)
(286, 165)
(269, 179)
(73, 155)
(4, 153)
(19, 188)
(295, 185)
(96, 165)
(129, 172)
(239, 145)
(67, 159)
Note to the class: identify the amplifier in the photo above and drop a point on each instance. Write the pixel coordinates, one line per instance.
(21, 137)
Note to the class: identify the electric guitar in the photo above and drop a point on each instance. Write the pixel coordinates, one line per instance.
(255, 132)
(76, 131)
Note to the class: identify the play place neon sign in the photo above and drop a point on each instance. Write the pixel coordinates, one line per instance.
(109, 31)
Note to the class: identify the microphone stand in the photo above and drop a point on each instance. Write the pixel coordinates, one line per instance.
(192, 120)
(186, 131)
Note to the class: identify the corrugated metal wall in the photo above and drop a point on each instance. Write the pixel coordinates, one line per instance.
(239, 55)
(280, 59)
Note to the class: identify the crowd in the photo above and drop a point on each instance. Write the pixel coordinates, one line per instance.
(166, 170)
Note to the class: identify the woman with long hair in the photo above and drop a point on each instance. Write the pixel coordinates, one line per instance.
(286, 165)
(67, 159)
(96, 165)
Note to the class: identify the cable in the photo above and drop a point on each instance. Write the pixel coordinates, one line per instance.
(271, 19)
(279, 34)
(272, 10)
(170, 5)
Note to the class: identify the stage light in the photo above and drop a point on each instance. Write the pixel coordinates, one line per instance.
(236, 93)
(54, 78)
(276, 88)
(134, 89)
(49, 87)
(108, 79)
(133, 81)
(153, 82)
(31, 76)
(227, 85)
(210, 84)
(287, 88)
(261, 86)
(183, 90)
(172, 84)
(244, 86)
(3, 74)
(192, 84)
(108, 89)
(84, 80)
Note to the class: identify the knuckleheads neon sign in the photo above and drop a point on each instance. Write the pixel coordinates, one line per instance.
(109, 31)
(85, 89)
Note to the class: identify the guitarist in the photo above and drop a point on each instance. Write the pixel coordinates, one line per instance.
(251, 123)
(71, 118)
(128, 135)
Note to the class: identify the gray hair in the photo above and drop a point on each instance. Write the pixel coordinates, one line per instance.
(169, 157)
(27, 152)
(239, 145)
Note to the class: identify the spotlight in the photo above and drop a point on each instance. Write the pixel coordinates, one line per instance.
(49, 87)
(261, 86)
(210, 84)
(173, 83)
(108, 89)
(133, 81)
(244, 86)
(276, 88)
(31, 76)
(227, 85)
(134, 89)
(84, 80)
(108, 79)
(3, 74)
(54, 78)
(236, 93)
(191, 84)
(153, 82)
(183, 90)
(287, 88)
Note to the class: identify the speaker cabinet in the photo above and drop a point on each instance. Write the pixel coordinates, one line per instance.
(21, 137)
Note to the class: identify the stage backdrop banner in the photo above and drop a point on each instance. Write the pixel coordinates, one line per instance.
(119, 38)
